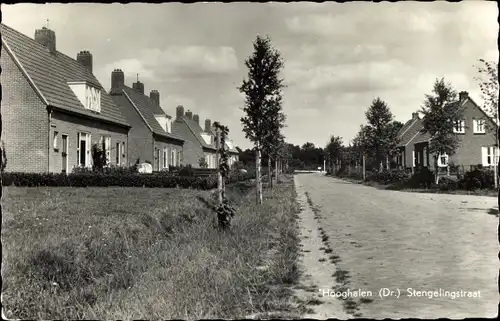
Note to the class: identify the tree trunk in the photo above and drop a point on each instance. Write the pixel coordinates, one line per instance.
(495, 166)
(270, 171)
(436, 169)
(276, 170)
(387, 162)
(364, 167)
(219, 174)
(257, 175)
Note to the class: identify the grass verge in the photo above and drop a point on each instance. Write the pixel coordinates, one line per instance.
(140, 253)
(393, 187)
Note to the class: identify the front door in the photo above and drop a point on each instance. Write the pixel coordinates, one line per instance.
(64, 154)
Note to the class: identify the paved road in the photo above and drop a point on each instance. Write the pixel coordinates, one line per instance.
(398, 240)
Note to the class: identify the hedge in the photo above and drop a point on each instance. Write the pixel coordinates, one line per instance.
(123, 180)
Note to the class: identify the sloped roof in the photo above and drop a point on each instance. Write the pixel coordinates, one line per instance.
(409, 130)
(145, 106)
(195, 128)
(50, 74)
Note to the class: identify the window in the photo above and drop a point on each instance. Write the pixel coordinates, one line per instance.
(490, 155)
(443, 160)
(157, 158)
(89, 96)
(172, 157)
(83, 150)
(122, 153)
(54, 141)
(479, 126)
(118, 154)
(179, 158)
(459, 127)
(165, 163)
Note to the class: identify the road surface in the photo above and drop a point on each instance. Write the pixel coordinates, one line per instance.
(442, 245)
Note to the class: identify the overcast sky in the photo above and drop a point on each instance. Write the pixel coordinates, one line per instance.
(338, 57)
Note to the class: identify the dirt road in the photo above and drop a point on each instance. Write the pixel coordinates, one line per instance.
(396, 254)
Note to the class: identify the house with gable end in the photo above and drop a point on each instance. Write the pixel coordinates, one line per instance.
(53, 107)
(151, 137)
(476, 133)
(200, 143)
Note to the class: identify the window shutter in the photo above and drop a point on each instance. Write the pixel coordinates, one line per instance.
(484, 155)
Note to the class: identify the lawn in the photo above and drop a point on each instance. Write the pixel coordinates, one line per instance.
(146, 253)
(479, 192)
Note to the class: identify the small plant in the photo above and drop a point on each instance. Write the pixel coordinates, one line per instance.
(202, 162)
(98, 158)
(225, 213)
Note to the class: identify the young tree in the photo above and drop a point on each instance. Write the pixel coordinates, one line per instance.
(275, 121)
(333, 151)
(441, 112)
(379, 130)
(393, 140)
(263, 91)
(225, 212)
(488, 83)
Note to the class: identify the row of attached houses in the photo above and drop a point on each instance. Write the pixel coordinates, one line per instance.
(476, 133)
(54, 109)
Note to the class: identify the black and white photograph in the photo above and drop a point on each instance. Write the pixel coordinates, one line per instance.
(255, 161)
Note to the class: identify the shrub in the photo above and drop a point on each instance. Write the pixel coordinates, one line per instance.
(422, 178)
(186, 171)
(388, 177)
(447, 183)
(479, 178)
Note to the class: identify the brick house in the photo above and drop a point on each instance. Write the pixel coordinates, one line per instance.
(54, 108)
(199, 143)
(151, 138)
(476, 134)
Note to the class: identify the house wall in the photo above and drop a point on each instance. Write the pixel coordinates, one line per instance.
(140, 137)
(161, 143)
(192, 149)
(24, 121)
(71, 125)
(469, 150)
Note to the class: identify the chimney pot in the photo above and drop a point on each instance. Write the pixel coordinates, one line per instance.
(179, 112)
(85, 58)
(414, 115)
(189, 114)
(117, 80)
(47, 38)
(196, 118)
(139, 86)
(208, 125)
(155, 97)
(463, 95)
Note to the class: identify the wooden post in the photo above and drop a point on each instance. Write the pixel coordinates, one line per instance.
(270, 171)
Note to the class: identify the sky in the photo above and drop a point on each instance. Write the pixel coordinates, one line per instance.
(338, 56)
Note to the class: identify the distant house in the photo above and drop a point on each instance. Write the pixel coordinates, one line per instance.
(54, 108)
(151, 138)
(199, 143)
(476, 134)
(231, 148)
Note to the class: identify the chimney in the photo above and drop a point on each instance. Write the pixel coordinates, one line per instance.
(155, 97)
(208, 125)
(47, 38)
(414, 115)
(463, 95)
(139, 86)
(117, 80)
(196, 118)
(85, 58)
(179, 112)
(189, 114)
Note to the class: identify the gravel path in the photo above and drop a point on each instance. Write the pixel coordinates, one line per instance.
(378, 239)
